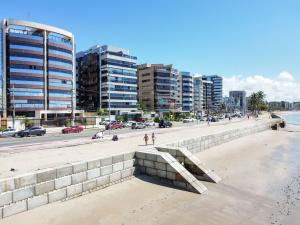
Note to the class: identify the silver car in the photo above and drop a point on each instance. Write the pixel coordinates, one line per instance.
(138, 126)
(8, 133)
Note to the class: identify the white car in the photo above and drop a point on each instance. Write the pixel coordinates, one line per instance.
(150, 123)
(187, 120)
(193, 120)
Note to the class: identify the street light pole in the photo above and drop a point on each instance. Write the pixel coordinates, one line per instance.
(14, 109)
(108, 98)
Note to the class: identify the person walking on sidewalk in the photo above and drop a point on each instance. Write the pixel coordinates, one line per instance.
(153, 137)
(146, 139)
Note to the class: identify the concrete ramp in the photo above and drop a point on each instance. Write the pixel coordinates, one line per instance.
(165, 167)
(191, 163)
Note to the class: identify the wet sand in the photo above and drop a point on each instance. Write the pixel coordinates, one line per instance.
(261, 185)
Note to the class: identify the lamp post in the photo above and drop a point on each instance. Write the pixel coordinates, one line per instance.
(108, 98)
(14, 108)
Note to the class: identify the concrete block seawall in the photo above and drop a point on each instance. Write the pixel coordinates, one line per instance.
(201, 143)
(31, 190)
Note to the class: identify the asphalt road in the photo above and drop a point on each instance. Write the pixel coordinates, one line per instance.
(58, 136)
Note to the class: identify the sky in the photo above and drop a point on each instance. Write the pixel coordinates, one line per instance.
(254, 44)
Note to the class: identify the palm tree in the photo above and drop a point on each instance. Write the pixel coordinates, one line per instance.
(253, 101)
(223, 107)
(236, 100)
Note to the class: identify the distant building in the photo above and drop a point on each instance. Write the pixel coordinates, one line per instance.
(207, 103)
(198, 95)
(217, 90)
(106, 74)
(159, 87)
(241, 95)
(187, 91)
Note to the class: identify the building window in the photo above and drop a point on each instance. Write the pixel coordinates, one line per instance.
(146, 75)
(146, 87)
(144, 81)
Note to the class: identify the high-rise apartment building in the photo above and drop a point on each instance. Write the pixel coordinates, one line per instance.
(241, 95)
(36, 69)
(106, 78)
(159, 87)
(198, 95)
(187, 91)
(207, 103)
(217, 89)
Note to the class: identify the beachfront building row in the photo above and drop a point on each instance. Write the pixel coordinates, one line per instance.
(36, 69)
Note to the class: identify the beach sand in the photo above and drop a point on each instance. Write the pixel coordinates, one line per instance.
(260, 185)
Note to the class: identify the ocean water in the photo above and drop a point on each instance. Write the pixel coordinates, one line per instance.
(292, 121)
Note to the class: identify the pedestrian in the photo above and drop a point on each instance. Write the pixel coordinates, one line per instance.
(146, 138)
(153, 137)
(229, 118)
(182, 163)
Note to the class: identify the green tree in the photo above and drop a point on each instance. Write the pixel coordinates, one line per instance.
(120, 118)
(223, 107)
(27, 122)
(236, 100)
(141, 106)
(100, 111)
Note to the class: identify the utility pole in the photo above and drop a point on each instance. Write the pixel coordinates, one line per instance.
(72, 106)
(108, 98)
(14, 109)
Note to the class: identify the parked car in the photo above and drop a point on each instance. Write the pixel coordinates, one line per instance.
(193, 120)
(214, 119)
(187, 120)
(114, 125)
(72, 129)
(150, 123)
(128, 124)
(138, 125)
(103, 122)
(165, 123)
(142, 120)
(11, 132)
(221, 117)
(32, 131)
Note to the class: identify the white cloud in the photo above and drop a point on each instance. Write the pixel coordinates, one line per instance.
(285, 76)
(280, 88)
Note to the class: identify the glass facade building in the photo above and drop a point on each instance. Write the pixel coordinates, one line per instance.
(216, 90)
(106, 77)
(38, 68)
(198, 95)
(187, 91)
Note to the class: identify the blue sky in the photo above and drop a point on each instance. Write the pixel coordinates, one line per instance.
(236, 39)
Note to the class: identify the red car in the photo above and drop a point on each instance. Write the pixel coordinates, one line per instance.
(141, 120)
(114, 125)
(73, 129)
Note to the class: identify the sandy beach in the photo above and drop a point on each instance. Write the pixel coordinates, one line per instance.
(260, 185)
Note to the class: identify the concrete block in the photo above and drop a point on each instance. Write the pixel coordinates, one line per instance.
(79, 167)
(23, 193)
(91, 174)
(14, 208)
(118, 166)
(140, 162)
(37, 201)
(170, 168)
(106, 170)
(161, 173)
(126, 173)
(179, 184)
(46, 175)
(171, 176)
(93, 164)
(7, 185)
(128, 155)
(62, 182)
(78, 178)
(1, 216)
(106, 161)
(151, 157)
(25, 180)
(115, 176)
(64, 171)
(6, 198)
(117, 158)
(102, 181)
(45, 187)
(74, 190)
(129, 163)
(140, 155)
(150, 171)
(89, 185)
(148, 163)
(57, 195)
(160, 166)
